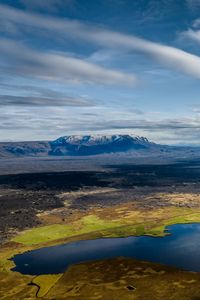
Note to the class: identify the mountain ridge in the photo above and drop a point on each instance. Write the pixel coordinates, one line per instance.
(86, 145)
(75, 145)
(96, 144)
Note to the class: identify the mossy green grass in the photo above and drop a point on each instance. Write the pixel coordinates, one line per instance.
(120, 227)
(44, 283)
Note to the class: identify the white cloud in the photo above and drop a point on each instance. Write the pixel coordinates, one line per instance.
(24, 18)
(192, 35)
(196, 23)
(168, 56)
(23, 61)
(52, 122)
(10, 100)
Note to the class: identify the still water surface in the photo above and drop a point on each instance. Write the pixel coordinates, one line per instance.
(180, 249)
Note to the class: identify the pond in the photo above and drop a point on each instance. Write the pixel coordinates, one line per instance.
(180, 249)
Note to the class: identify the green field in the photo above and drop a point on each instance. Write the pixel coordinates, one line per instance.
(121, 226)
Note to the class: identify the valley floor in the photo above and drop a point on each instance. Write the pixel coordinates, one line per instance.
(45, 209)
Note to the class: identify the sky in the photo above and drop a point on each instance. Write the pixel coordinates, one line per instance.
(100, 67)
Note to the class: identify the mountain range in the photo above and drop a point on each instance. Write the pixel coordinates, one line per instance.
(74, 145)
(96, 144)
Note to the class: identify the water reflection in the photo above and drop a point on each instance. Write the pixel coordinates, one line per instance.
(180, 249)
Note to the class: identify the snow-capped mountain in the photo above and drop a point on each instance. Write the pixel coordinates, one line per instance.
(97, 144)
(77, 145)
(97, 139)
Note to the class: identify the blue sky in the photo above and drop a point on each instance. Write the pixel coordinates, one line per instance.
(103, 66)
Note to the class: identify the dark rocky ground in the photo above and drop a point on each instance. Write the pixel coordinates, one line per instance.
(18, 208)
(22, 196)
(142, 197)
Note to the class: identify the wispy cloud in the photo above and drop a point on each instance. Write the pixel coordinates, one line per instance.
(193, 4)
(27, 95)
(192, 35)
(10, 100)
(23, 61)
(62, 76)
(168, 56)
(193, 32)
(64, 121)
(50, 5)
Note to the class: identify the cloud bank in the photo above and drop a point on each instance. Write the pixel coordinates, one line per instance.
(65, 121)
